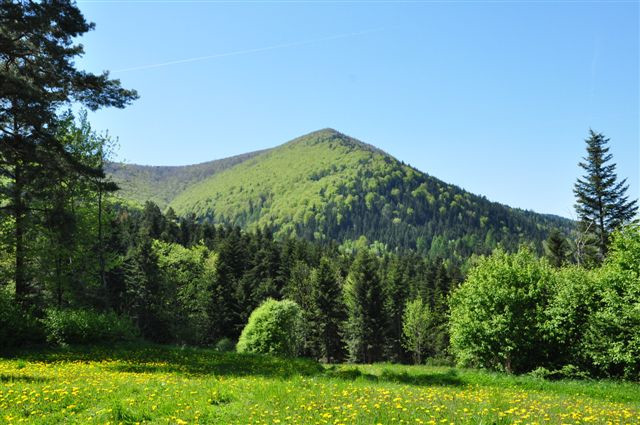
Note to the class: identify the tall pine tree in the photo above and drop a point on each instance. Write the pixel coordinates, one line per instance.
(601, 201)
(38, 79)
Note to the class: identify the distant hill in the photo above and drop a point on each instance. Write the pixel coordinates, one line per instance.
(328, 186)
(161, 184)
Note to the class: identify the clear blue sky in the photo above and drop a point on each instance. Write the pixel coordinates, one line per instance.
(496, 97)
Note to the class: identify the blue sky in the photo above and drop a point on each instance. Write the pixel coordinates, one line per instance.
(496, 97)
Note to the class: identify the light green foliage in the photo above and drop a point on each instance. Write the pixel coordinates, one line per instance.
(516, 312)
(416, 324)
(613, 338)
(161, 184)
(496, 313)
(275, 328)
(292, 184)
(576, 296)
(192, 272)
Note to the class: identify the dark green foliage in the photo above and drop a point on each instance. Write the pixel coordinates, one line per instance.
(17, 328)
(397, 285)
(201, 292)
(275, 328)
(366, 319)
(557, 249)
(65, 327)
(601, 201)
(327, 311)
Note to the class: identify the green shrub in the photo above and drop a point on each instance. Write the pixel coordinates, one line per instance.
(498, 312)
(17, 329)
(87, 327)
(576, 296)
(274, 328)
(225, 345)
(612, 339)
(567, 371)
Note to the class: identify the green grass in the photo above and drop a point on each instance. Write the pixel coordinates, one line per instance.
(168, 385)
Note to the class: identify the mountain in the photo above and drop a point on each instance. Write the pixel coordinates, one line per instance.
(328, 186)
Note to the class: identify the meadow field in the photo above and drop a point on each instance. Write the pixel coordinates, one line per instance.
(171, 385)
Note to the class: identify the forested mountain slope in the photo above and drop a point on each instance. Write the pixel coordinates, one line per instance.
(328, 186)
(161, 184)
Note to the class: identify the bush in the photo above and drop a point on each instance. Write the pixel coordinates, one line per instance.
(498, 312)
(568, 371)
(612, 339)
(225, 345)
(65, 327)
(274, 328)
(577, 295)
(17, 329)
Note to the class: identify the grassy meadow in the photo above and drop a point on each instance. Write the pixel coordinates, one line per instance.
(168, 385)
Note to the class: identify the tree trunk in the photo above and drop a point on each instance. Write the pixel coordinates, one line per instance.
(19, 212)
(59, 280)
(103, 280)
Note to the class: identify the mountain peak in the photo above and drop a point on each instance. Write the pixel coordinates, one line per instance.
(323, 134)
(330, 135)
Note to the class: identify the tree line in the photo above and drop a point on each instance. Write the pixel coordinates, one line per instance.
(181, 281)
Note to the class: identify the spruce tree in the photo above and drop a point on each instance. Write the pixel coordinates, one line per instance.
(396, 286)
(556, 248)
(601, 201)
(366, 323)
(328, 310)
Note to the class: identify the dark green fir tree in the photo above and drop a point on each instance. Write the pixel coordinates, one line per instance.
(602, 204)
(328, 310)
(366, 319)
(557, 249)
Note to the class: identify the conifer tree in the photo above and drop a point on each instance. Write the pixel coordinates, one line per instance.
(396, 286)
(366, 321)
(328, 310)
(556, 248)
(601, 201)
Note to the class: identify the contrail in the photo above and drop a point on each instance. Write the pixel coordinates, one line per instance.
(248, 51)
(365, 2)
